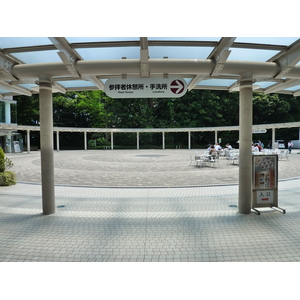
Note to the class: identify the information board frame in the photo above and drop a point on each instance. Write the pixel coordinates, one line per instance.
(154, 87)
(265, 182)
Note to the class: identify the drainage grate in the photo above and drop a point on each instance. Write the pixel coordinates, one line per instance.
(232, 205)
(60, 206)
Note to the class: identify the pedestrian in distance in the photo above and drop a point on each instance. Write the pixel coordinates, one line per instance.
(290, 146)
(261, 144)
(270, 145)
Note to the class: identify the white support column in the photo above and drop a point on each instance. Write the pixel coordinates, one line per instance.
(8, 137)
(112, 141)
(7, 112)
(137, 140)
(46, 136)
(216, 136)
(28, 141)
(85, 140)
(8, 142)
(163, 140)
(57, 140)
(299, 143)
(273, 137)
(189, 139)
(245, 152)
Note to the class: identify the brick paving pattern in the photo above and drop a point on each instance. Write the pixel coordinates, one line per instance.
(144, 206)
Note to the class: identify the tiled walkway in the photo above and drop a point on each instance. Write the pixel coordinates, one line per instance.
(158, 224)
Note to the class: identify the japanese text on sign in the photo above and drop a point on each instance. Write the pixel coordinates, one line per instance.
(265, 197)
(126, 87)
(170, 87)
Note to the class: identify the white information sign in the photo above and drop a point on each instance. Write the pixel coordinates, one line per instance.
(259, 130)
(154, 87)
(265, 197)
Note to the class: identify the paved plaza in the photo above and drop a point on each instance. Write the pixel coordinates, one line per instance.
(136, 168)
(144, 206)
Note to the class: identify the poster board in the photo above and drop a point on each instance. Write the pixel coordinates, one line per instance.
(265, 181)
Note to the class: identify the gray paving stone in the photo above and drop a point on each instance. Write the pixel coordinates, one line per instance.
(189, 224)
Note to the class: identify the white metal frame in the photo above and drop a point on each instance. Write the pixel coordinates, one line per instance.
(281, 70)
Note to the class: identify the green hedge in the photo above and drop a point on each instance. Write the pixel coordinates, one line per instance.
(7, 178)
(2, 160)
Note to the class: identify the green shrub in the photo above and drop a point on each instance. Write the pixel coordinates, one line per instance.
(7, 178)
(92, 144)
(5, 163)
(2, 160)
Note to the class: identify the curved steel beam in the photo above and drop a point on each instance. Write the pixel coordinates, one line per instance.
(157, 67)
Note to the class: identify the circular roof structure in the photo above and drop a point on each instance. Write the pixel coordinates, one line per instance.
(86, 63)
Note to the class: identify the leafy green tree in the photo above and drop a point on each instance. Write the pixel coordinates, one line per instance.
(65, 111)
(129, 113)
(91, 109)
(197, 108)
(81, 109)
(270, 108)
(28, 110)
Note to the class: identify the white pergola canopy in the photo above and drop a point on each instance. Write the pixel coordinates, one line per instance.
(46, 65)
(216, 63)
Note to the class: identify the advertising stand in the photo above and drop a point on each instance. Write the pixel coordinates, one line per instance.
(265, 182)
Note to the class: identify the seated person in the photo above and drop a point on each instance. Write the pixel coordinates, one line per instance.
(212, 152)
(218, 147)
(228, 146)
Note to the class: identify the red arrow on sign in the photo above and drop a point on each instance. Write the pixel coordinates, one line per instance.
(177, 86)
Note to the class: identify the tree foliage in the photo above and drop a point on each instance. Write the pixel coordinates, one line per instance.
(27, 110)
(198, 108)
(270, 108)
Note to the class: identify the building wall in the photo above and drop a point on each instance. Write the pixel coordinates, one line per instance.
(8, 116)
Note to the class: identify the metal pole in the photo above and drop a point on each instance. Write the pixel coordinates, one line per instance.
(46, 136)
(137, 140)
(85, 140)
(57, 141)
(189, 138)
(28, 141)
(273, 137)
(216, 136)
(245, 152)
(163, 140)
(112, 140)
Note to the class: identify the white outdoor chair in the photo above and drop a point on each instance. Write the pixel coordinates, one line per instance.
(283, 155)
(214, 161)
(192, 160)
(233, 158)
(201, 162)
